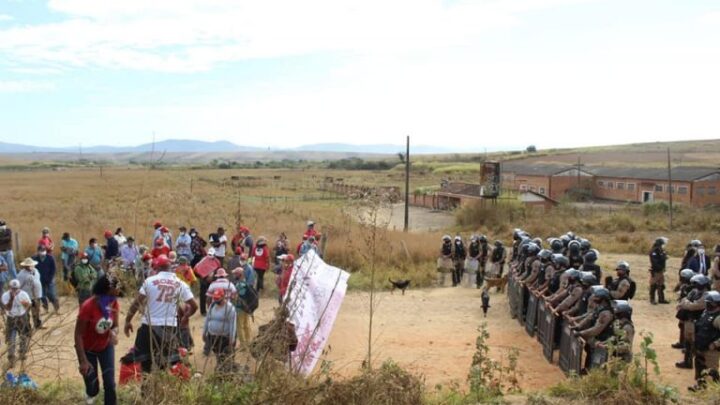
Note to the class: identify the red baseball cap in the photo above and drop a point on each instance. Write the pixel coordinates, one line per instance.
(218, 294)
(108, 234)
(161, 261)
(157, 224)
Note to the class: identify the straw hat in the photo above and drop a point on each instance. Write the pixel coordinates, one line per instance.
(220, 273)
(28, 262)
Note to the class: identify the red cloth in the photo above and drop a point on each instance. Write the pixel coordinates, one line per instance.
(130, 373)
(311, 232)
(261, 255)
(90, 312)
(285, 280)
(163, 250)
(47, 243)
(297, 251)
(206, 266)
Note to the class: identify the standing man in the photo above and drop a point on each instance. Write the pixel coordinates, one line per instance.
(157, 338)
(68, 254)
(46, 241)
(7, 253)
(30, 283)
(182, 244)
(497, 259)
(94, 254)
(47, 269)
(82, 278)
(699, 263)
(129, 253)
(112, 247)
(622, 287)
(218, 241)
(459, 255)
(16, 303)
(658, 260)
(197, 247)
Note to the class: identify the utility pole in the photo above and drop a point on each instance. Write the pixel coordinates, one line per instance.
(670, 189)
(578, 173)
(407, 184)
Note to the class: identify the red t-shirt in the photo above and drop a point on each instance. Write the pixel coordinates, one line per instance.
(96, 336)
(163, 250)
(262, 257)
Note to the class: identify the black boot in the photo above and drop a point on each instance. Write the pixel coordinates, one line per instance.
(681, 341)
(661, 295)
(687, 358)
(652, 294)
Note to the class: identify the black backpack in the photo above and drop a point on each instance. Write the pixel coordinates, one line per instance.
(249, 301)
(633, 288)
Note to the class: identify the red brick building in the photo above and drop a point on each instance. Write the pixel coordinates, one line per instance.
(696, 186)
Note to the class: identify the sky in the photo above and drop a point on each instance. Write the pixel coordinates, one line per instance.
(493, 74)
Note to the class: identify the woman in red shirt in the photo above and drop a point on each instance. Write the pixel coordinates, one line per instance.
(261, 261)
(96, 332)
(286, 272)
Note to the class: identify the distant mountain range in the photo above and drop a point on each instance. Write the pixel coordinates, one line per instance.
(184, 145)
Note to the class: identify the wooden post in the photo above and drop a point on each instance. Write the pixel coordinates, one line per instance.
(670, 189)
(407, 184)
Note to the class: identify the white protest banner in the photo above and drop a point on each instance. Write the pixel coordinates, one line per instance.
(316, 292)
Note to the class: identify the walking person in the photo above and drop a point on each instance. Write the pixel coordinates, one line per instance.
(29, 279)
(458, 256)
(68, 254)
(96, 335)
(261, 262)
(197, 247)
(658, 260)
(46, 241)
(82, 278)
(157, 340)
(211, 263)
(245, 304)
(47, 269)
(287, 265)
(497, 259)
(220, 331)
(6, 252)
(182, 244)
(16, 304)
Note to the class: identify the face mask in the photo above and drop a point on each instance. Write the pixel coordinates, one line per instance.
(94, 245)
(42, 254)
(84, 261)
(194, 235)
(182, 233)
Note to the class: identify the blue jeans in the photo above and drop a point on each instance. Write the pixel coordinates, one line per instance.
(10, 274)
(48, 292)
(106, 358)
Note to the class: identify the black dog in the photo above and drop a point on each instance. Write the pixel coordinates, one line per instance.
(400, 284)
(485, 302)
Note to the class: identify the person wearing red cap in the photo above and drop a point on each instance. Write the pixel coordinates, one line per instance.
(222, 283)
(46, 241)
(261, 261)
(157, 230)
(220, 330)
(167, 236)
(160, 248)
(112, 247)
(157, 338)
(242, 239)
(287, 265)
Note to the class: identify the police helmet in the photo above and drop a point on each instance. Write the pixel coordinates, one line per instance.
(556, 245)
(446, 238)
(532, 249)
(622, 307)
(482, 238)
(516, 233)
(538, 241)
(696, 243)
(574, 246)
(601, 292)
(474, 238)
(561, 260)
(585, 244)
(700, 280)
(570, 235)
(545, 254)
(686, 274)
(661, 241)
(498, 243)
(623, 265)
(573, 274)
(587, 278)
(712, 297)
(565, 240)
(591, 256)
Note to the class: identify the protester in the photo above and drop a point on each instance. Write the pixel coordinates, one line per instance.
(220, 330)
(112, 247)
(243, 240)
(160, 248)
(311, 232)
(182, 244)
(197, 247)
(96, 335)
(307, 245)
(282, 247)
(261, 261)
(157, 338)
(120, 237)
(185, 272)
(212, 263)
(46, 241)
(166, 236)
(68, 253)
(287, 264)
(157, 230)
(6, 252)
(94, 254)
(236, 258)
(221, 282)
(218, 241)
(82, 278)
(245, 304)
(16, 303)
(29, 279)
(47, 268)
(129, 253)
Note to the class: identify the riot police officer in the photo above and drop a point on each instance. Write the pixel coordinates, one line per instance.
(683, 288)
(623, 287)
(707, 341)
(689, 310)
(658, 260)
(597, 327)
(590, 263)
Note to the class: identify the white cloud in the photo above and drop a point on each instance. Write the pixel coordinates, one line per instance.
(24, 86)
(195, 35)
(5, 17)
(710, 18)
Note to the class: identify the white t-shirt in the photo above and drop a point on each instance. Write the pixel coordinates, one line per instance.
(222, 284)
(17, 308)
(164, 292)
(220, 250)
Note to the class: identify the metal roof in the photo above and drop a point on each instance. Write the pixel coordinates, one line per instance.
(642, 173)
(532, 169)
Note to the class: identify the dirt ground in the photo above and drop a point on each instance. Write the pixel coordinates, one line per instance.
(421, 219)
(429, 331)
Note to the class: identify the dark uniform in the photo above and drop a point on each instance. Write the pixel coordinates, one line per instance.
(458, 256)
(707, 341)
(658, 260)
